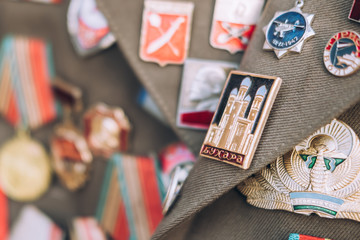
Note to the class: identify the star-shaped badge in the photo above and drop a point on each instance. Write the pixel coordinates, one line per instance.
(288, 31)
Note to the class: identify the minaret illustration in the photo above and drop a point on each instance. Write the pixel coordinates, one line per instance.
(236, 127)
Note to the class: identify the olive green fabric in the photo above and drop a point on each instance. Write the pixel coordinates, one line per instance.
(103, 77)
(125, 18)
(308, 99)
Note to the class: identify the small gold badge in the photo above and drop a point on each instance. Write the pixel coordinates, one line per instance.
(72, 158)
(240, 118)
(25, 172)
(321, 176)
(106, 129)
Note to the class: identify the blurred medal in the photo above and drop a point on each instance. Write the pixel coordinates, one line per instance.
(106, 129)
(178, 177)
(72, 158)
(27, 102)
(24, 175)
(88, 27)
(176, 161)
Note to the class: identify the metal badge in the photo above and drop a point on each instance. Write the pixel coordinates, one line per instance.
(106, 129)
(88, 27)
(201, 86)
(25, 171)
(178, 177)
(355, 11)
(233, 23)
(165, 33)
(342, 53)
(72, 157)
(288, 31)
(296, 236)
(240, 118)
(321, 176)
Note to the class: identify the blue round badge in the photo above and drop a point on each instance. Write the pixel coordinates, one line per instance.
(286, 30)
(342, 53)
(342, 47)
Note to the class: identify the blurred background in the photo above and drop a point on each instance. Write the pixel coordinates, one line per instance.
(102, 77)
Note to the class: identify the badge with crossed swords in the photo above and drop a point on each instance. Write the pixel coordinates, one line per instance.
(165, 32)
(233, 23)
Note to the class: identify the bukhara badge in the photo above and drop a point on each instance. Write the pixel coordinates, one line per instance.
(165, 33)
(342, 53)
(240, 118)
(233, 23)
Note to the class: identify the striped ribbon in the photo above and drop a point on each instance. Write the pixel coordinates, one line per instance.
(296, 236)
(3, 216)
(26, 70)
(130, 202)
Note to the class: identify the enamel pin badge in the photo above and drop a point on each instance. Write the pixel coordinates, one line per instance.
(321, 176)
(165, 33)
(233, 23)
(88, 27)
(201, 86)
(342, 53)
(288, 31)
(240, 118)
(355, 11)
(107, 129)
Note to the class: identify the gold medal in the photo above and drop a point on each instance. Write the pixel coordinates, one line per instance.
(24, 168)
(71, 157)
(106, 129)
(24, 164)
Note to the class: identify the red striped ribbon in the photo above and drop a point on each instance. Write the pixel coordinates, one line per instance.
(150, 190)
(3, 216)
(25, 80)
(143, 171)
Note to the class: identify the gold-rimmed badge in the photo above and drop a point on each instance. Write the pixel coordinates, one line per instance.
(27, 102)
(72, 159)
(106, 129)
(240, 118)
(25, 171)
(320, 175)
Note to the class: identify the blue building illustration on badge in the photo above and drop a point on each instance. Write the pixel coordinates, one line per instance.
(288, 31)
